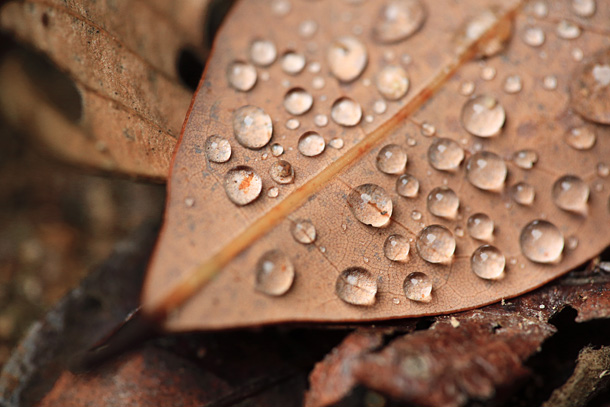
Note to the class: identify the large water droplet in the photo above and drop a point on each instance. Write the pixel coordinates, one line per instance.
(480, 227)
(435, 244)
(483, 116)
(347, 58)
(541, 242)
(293, 63)
(346, 112)
(568, 30)
(398, 20)
(443, 202)
(304, 231)
(525, 159)
(392, 159)
(217, 149)
(242, 185)
(418, 287)
(396, 248)
(274, 273)
(392, 82)
(252, 127)
(241, 75)
(523, 193)
(282, 172)
(533, 36)
(486, 170)
(590, 89)
(356, 286)
(298, 101)
(370, 204)
(445, 154)
(311, 144)
(584, 8)
(581, 138)
(488, 262)
(407, 185)
(571, 193)
(262, 52)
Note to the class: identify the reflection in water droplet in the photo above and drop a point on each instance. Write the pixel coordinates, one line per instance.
(241, 75)
(486, 170)
(242, 185)
(347, 58)
(443, 202)
(407, 185)
(483, 116)
(568, 30)
(392, 82)
(428, 129)
(513, 84)
(571, 193)
(277, 150)
(298, 101)
(533, 36)
(525, 159)
(396, 248)
(418, 287)
(584, 8)
(274, 273)
(252, 127)
(370, 204)
(523, 193)
(336, 143)
(480, 227)
(293, 63)
(392, 159)
(217, 149)
(304, 231)
(445, 154)
(435, 244)
(581, 138)
(541, 242)
(488, 262)
(262, 52)
(311, 144)
(356, 286)
(282, 172)
(398, 20)
(346, 112)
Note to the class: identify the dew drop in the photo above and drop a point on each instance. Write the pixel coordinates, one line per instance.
(590, 90)
(480, 227)
(391, 159)
(407, 186)
(318, 82)
(533, 36)
(443, 202)
(277, 150)
(549, 82)
(568, 30)
(273, 192)
(356, 286)
(298, 101)
(380, 107)
(488, 262)
(572, 243)
(303, 231)
(467, 88)
(577, 54)
(217, 149)
(584, 8)
(428, 129)
(293, 63)
(346, 112)
(476, 28)
(396, 248)
(581, 138)
(392, 82)
(541, 242)
(483, 116)
(241, 75)
(445, 154)
(189, 202)
(370, 204)
(293, 124)
(398, 20)
(252, 127)
(416, 215)
(282, 172)
(571, 193)
(308, 29)
(602, 170)
(459, 232)
(488, 73)
(525, 159)
(336, 143)
(418, 287)
(320, 120)
(523, 193)
(274, 273)
(513, 84)
(486, 170)
(541, 9)
(311, 144)
(262, 52)
(281, 8)
(347, 58)
(242, 185)
(435, 244)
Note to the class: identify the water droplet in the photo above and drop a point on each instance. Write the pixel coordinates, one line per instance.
(571, 193)
(435, 244)
(577, 54)
(513, 84)
(459, 231)
(262, 52)
(346, 112)
(396, 248)
(476, 28)
(356, 286)
(320, 120)
(308, 29)
(189, 202)
(217, 149)
(303, 231)
(273, 192)
(602, 170)
(241, 75)
(525, 159)
(392, 159)
(590, 90)
(445, 154)
(336, 143)
(480, 227)
(540, 9)
(483, 116)
(581, 138)
(541, 242)
(568, 30)
(486, 170)
(467, 88)
(318, 82)
(416, 215)
(443, 202)
(347, 58)
(572, 242)
(392, 82)
(298, 101)
(282, 172)
(277, 150)
(488, 73)
(242, 185)
(252, 127)
(293, 63)
(407, 185)
(274, 273)
(293, 124)
(311, 144)
(418, 287)
(488, 262)
(428, 129)
(380, 106)
(281, 8)
(398, 20)
(549, 82)
(370, 204)
(584, 8)
(533, 36)
(523, 193)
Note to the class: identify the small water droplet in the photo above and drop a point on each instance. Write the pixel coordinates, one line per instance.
(435, 244)
(418, 287)
(480, 227)
(262, 52)
(459, 231)
(445, 154)
(398, 20)
(392, 159)
(581, 138)
(540, 9)
(311, 144)
(347, 58)
(274, 273)
(303, 231)
(281, 8)
(523, 193)
(488, 73)
(488, 262)
(273, 192)
(392, 82)
(396, 248)
(549, 82)
(217, 149)
(568, 30)
(411, 142)
(396, 301)
(252, 127)
(525, 159)
(467, 88)
(513, 84)
(370, 204)
(584, 8)
(241, 75)
(308, 29)
(483, 116)
(242, 185)
(298, 101)
(486, 170)
(416, 215)
(336, 143)
(603, 170)
(541, 242)
(443, 202)
(473, 32)
(277, 150)
(571, 193)
(356, 286)
(318, 82)
(320, 120)
(407, 185)
(293, 124)
(533, 36)
(346, 112)
(590, 90)
(428, 129)
(282, 172)
(572, 242)
(577, 54)
(189, 202)
(293, 63)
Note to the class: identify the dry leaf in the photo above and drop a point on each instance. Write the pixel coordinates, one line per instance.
(495, 137)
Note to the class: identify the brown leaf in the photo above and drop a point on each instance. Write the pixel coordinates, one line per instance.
(225, 262)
